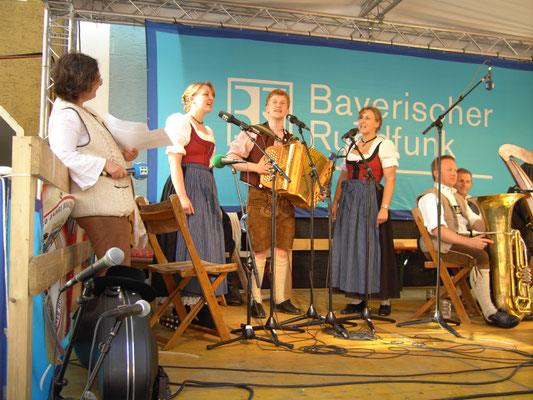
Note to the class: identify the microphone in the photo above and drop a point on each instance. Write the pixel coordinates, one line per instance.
(138, 171)
(293, 120)
(351, 133)
(232, 120)
(489, 85)
(112, 257)
(340, 329)
(141, 308)
(334, 156)
(219, 161)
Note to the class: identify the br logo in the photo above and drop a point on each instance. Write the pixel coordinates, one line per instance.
(247, 99)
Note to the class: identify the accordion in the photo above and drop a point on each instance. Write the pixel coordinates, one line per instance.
(292, 159)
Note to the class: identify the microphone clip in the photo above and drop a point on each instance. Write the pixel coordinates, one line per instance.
(350, 134)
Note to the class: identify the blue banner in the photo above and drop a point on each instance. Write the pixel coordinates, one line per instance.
(328, 82)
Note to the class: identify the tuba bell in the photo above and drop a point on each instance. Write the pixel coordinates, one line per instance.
(510, 274)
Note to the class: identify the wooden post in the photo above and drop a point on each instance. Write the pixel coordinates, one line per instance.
(30, 275)
(19, 348)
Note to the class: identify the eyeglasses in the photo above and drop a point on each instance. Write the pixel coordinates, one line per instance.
(99, 79)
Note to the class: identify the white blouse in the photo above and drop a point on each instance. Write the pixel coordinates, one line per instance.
(66, 133)
(178, 128)
(428, 208)
(387, 153)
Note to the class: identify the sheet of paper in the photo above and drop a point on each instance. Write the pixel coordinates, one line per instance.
(136, 134)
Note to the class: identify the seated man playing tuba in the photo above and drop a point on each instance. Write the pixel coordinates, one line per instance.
(457, 244)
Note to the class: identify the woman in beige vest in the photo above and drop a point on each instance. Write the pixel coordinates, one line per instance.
(82, 142)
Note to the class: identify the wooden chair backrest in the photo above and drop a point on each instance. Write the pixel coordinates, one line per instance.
(419, 220)
(166, 217)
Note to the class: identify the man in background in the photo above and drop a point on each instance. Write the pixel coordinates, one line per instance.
(463, 185)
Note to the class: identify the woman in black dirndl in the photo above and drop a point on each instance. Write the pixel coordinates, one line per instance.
(349, 211)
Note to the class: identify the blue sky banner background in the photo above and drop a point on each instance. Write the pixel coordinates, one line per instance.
(328, 82)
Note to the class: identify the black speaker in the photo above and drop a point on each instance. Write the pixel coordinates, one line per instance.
(131, 365)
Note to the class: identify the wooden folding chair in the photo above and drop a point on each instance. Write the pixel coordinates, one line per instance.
(167, 217)
(450, 282)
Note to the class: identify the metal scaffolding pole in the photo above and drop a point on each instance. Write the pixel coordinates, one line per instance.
(370, 29)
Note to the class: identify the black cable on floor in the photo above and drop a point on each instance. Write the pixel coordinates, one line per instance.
(208, 385)
(483, 395)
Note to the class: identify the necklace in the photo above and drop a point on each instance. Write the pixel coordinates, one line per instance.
(201, 123)
(368, 141)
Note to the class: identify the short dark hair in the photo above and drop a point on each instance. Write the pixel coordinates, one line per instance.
(73, 75)
(464, 171)
(434, 163)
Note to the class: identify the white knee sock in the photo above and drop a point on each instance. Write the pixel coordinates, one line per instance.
(480, 282)
(283, 284)
(256, 291)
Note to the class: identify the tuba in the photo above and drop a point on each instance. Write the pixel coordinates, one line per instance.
(510, 274)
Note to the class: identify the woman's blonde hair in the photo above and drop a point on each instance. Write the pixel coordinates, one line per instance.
(191, 91)
(376, 112)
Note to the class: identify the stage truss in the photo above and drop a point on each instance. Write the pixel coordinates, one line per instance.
(61, 17)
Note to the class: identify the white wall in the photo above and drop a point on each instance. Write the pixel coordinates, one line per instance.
(94, 41)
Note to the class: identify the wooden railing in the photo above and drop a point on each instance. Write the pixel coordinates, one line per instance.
(30, 275)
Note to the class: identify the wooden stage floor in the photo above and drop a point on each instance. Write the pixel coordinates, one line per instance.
(412, 362)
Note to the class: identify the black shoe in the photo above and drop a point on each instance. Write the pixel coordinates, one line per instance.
(233, 298)
(353, 308)
(257, 310)
(384, 310)
(286, 307)
(503, 320)
(528, 317)
(204, 318)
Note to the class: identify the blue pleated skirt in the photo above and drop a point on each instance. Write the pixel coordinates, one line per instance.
(350, 239)
(205, 225)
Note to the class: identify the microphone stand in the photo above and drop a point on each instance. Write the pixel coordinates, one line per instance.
(330, 318)
(104, 349)
(247, 331)
(311, 311)
(59, 381)
(271, 325)
(437, 316)
(367, 313)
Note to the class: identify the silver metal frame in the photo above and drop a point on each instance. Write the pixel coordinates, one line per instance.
(369, 27)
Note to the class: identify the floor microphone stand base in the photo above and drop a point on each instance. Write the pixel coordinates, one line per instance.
(310, 314)
(247, 331)
(438, 319)
(367, 316)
